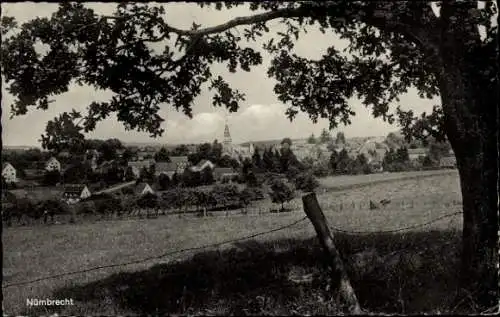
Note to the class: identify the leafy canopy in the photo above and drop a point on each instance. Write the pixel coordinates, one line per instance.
(391, 48)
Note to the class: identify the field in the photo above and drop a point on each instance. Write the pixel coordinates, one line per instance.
(248, 276)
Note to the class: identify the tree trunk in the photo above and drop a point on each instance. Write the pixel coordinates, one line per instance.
(470, 106)
(339, 275)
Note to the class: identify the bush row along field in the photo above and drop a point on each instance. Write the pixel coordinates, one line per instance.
(56, 249)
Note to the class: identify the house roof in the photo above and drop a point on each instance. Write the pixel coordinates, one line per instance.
(224, 170)
(5, 164)
(448, 160)
(52, 158)
(179, 159)
(203, 162)
(64, 154)
(417, 151)
(144, 153)
(165, 167)
(74, 188)
(139, 188)
(107, 164)
(140, 164)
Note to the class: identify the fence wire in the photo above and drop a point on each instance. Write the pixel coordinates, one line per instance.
(156, 257)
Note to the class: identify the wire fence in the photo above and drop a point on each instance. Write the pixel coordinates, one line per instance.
(212, 245)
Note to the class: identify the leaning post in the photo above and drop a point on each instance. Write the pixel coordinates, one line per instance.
(340, 279)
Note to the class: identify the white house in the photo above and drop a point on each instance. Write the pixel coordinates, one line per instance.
(9, 173)
(143, 189)
(53, 165)
(74, 193)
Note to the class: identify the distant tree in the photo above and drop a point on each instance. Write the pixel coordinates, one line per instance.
(311, 139)
(281, 192)
(287, 141)
(394, 141)
(51, 178)
(176, 179)
(427, 161)
(127, 155)
(207, 176)
(180, 150)
(402, 155)
(292, 172)
(148, 200)
(115, 174)
(191, 178)
(129, 174)
(325, 136)
(226, 161)
(246, 196)
(34, 155)
(438, 149)
(396, 160)
(306, 181)
(164, 181)
(216, 153)
(162, 155)
(108, 150)
(340, 139)
(78, 172)
(256, 158)
(341, 162)
(360, 165)
(205, 151)
(146, 175)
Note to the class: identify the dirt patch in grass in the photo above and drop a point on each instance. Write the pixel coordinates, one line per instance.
(405, 273)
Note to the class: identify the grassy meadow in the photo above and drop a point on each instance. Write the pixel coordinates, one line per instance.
(391, 272)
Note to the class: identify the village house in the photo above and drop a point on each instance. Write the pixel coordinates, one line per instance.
(105, 167)
(221, 173)
(181, 163)
(9, 173)
(168, 169)
(415, 154)
(202, 165)
(137, 166)
(145, 155)
(73, 193)
(53, 165)
(448, 162)
(142, 189)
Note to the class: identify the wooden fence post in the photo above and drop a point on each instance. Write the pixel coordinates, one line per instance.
(340, 279)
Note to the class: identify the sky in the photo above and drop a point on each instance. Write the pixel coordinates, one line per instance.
(260, 117)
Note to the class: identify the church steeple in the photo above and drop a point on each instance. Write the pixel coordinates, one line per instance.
(227, 136)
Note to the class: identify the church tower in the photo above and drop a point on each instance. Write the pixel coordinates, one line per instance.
(227, 143)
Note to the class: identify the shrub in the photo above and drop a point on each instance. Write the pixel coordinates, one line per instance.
(306, 182)
(147, 201)
(281, 192)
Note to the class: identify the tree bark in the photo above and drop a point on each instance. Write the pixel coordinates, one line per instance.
(340, 279)
(470, 118)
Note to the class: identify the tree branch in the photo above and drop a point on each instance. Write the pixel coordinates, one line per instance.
(417, 29)
(252, 19)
